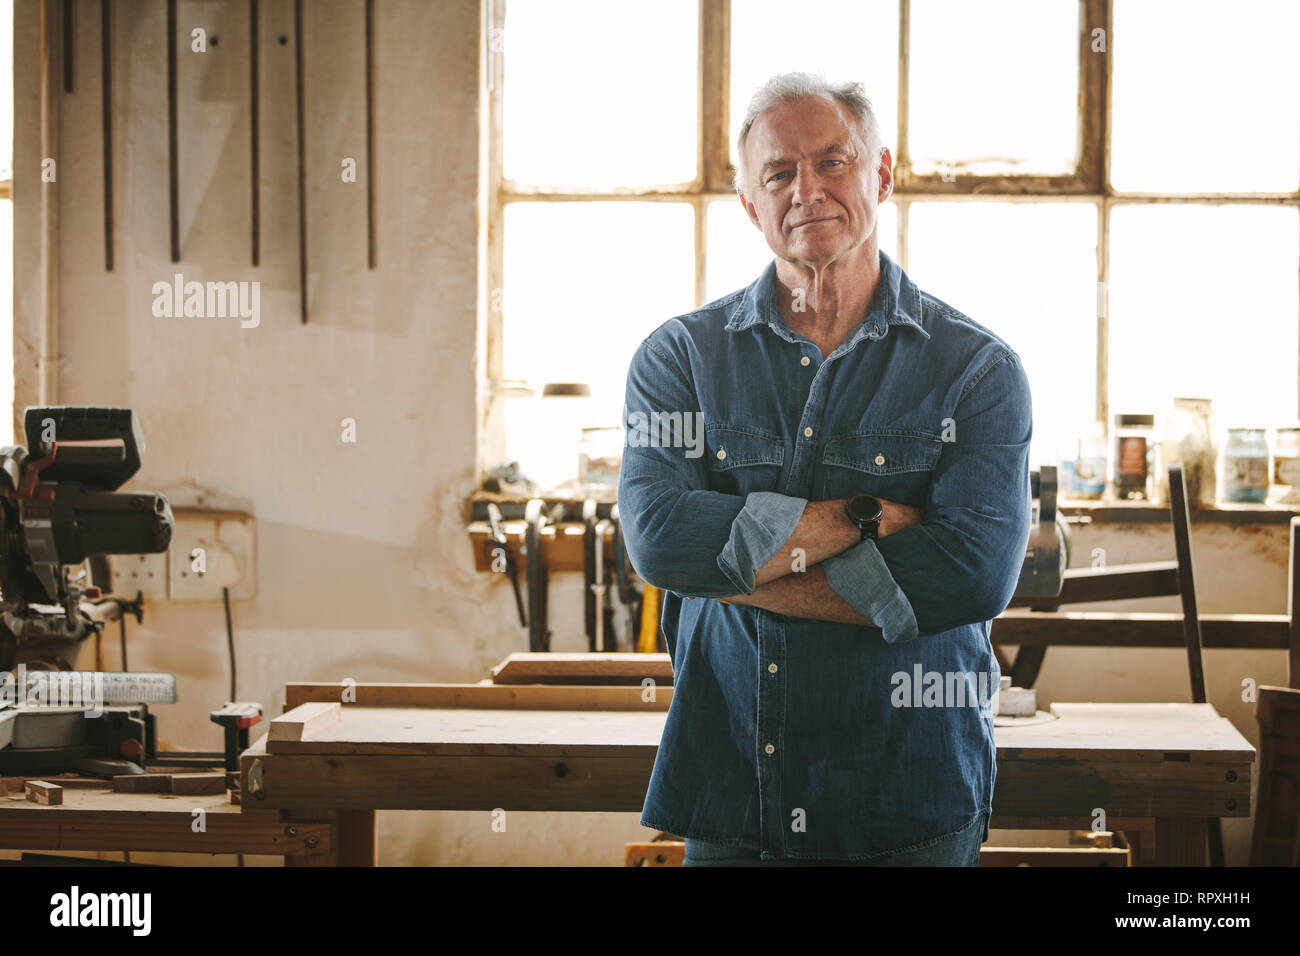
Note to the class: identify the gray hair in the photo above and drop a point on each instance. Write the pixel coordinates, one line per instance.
(785, 87)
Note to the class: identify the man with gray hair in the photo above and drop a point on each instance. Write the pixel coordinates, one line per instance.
(860, 514)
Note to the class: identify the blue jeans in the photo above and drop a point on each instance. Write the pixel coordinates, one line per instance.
(957, 849)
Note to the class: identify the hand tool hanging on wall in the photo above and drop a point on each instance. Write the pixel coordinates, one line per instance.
(302, 164)
(589, 571)
(106, 107)
(253, 140)
(647, 641)
(628, 594)
(606, 639)
(497, 550)
(370, 134)
(173, 160)
(537, 517)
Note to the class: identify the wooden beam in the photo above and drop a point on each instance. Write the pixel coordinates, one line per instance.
(304, 720)
(1101, 629)
(44, 792)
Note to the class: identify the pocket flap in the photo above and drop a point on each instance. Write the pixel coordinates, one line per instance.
(883, 453)
(731, 447)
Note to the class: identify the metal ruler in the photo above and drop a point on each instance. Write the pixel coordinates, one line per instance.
(108, 687)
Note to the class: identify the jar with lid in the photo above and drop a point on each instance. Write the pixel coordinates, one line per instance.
(1245, 466)
(1131, 464)
(1286, 466)
(1188, 439)
(1083, 467)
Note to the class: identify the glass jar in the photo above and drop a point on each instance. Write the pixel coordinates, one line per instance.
(1084, 475)
(600, 455)
(1131, 463)
(1188, 439)
(1245, 466)
(1286, 466)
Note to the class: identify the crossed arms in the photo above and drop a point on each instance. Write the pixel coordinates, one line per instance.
(956, 564)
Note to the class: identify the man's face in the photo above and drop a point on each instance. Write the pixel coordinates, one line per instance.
(811, 187)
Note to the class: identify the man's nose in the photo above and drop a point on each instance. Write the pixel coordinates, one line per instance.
(808, 186)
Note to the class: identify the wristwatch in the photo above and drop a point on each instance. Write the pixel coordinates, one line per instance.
(865, 511)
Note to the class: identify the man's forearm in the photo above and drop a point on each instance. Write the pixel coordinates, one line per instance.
(824, 530)
(807, 595)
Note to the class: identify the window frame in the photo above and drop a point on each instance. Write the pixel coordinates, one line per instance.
(1089, 182)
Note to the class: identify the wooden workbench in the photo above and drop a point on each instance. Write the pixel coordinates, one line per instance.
(585, 748)
(94, 817)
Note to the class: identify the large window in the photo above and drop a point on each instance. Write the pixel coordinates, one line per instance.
(6, 223)
(1111, 187)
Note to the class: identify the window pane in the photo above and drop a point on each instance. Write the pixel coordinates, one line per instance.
(1028, 273)
(1203, 303)
(6, 321)
(738, 253)
(847, 41)
(994, 90)
(600, 94)
(584, 284)
(1206, 100)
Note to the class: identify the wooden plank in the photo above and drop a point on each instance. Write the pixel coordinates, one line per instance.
(1115, 629)
(304, 721)
(44, 792)
(1077, 789)
(422, 782)
(525, 667)
(143, 783)
(1082, 585)
(485, 695)
(1128, 732)
(68, 783)
(480, 732)
(198, 783)
(105, 820)
(561, 544)
(1052, 856)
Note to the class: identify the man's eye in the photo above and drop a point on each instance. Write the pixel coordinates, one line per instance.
(780, 174)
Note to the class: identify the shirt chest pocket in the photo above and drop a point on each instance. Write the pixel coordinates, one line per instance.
(888, 465)
(741, 460)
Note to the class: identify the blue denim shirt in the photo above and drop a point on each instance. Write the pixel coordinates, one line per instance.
(800, 738)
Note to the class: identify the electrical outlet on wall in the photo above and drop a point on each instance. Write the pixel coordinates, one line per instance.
(211, 550)
(146, 573)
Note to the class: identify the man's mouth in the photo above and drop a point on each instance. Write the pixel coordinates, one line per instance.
(809, 222)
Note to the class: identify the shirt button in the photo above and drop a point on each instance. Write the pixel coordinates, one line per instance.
(805, 361)
(880, 459)
(807, 433)
(771, 668)
(769, 749)
(722, 453)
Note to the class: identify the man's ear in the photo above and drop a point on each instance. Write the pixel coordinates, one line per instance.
(749, 209)
(885, 170)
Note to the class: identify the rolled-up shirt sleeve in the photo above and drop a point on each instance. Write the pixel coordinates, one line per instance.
(681, 537)
(961, 564)
(861, 576)
(763, 525)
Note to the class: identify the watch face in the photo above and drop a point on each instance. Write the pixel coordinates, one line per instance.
(865, 508)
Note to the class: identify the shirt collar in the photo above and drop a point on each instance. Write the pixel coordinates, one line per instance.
(897, 302)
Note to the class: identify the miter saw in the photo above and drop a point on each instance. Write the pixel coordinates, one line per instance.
(59, 507)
